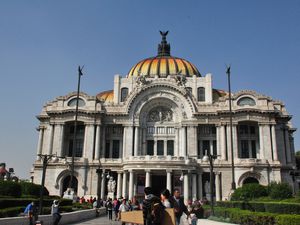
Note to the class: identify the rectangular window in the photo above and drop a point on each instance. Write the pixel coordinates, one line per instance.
(205, 146)
(160, 147)
(252, 130)
(150, 147)
(116, 149)
(201, 94)
(199, 149)
(215, 147)
(243, 129)
(170, 147)
(107, 149)
(244, 149)
(253, 148)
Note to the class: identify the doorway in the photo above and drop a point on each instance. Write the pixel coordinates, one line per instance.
(158, 184)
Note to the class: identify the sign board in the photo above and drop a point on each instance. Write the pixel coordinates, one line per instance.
(136, 217)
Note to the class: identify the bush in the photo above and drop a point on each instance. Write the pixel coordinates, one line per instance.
(9, 188)
(249, 192)
(280, 191)
(287, 219)
(31, 189)
(11, 212)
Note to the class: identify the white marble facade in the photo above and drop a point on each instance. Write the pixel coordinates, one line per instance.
(151, 130)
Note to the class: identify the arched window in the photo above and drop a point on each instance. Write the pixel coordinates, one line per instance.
(250, 180)
(246, 101)
(124, 93)
(201, 94)
(73, 101)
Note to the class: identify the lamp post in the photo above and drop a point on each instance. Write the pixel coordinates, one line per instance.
(210, 158)
(233, 185)
(75, 129)
(45, 159)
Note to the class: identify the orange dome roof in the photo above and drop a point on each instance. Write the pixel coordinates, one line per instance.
(163, 64)
(106, 96)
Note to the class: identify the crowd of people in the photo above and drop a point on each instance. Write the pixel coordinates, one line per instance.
(153, 207)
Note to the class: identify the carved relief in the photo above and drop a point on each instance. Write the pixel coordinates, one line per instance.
(160, 114)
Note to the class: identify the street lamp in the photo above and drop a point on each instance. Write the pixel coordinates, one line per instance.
(45, 159)
(233, 185)
(210, 158)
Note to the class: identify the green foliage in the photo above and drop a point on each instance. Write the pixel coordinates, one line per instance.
(31, 189)
(246, 217)
(10, 212)
(280, 191)
(287, 219)
(272, 207)
(9, 188)
(248, 192)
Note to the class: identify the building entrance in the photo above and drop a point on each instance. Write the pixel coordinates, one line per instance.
(158, 184)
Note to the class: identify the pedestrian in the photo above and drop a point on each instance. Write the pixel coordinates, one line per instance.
(135, 204)
(123, 208)
(109, 206)
(178, 204)
(30, 212)
(196, 212)
(117, 204)
(164, 197)
(55, 212)
(153, 209)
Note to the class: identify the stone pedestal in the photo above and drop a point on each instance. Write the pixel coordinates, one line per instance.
(111, 195)
(70, 194)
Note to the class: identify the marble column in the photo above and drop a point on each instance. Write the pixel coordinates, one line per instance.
(176, 142)
(148, 178)
(235, 142)
(124, 142)
(200, 191)
(103, 185)
(155, 147)
(97, 144)
(183, 138)
(51, 134)
(169, 180)
(194, 186)
(61, 152)
(40, 142)
(288, 146)
(119, 185)
(136, 141)
(144, 141)
(124, 186)
(261, 143)
(218, 186)
(218, 135)
(223, 142)
(130, 192)
(186, 193)
(274, 143)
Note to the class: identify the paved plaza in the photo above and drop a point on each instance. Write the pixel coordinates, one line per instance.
(103, 220)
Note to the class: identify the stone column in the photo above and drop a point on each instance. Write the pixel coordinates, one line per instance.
(88, 141)
(288, 147)
(124, 142)
(223, 142)
(274, 143)
(200, 191)
(136, 141)
(194, 186)
(40, 142)
(130, 192)
(183, 138)
(148, 178)
(119, 185)
(124, 186)
(169, 180)
(103, 142)
(144, 142)
(103, 185)
(61, 140)
(218, 186)
(165, 147)
(235, 142)
(155, 148)
(176, 142)
(218, 129)
(51, 132)
(97, 144)
(186, 193)
(261, 143)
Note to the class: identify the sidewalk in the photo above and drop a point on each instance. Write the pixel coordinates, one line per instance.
(103, 220)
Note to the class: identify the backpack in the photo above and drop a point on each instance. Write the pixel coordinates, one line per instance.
(157, 212)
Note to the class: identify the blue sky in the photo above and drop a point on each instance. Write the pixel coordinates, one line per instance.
(43, 42)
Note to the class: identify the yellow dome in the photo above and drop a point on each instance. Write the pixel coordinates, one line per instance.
(106, 96)
(163, 64)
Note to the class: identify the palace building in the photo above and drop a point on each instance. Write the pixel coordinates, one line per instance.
(154, 128)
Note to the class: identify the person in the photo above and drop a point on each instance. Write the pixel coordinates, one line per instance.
(30, 212)
(196, 212)
(164, 196)
(123, 208)
(152, 208)
(109, 207)
(178, 204)
(55, 212)
(117, 204)
(135, 204)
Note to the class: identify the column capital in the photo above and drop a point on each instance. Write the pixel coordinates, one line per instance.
(148, 170)
(169, 170)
